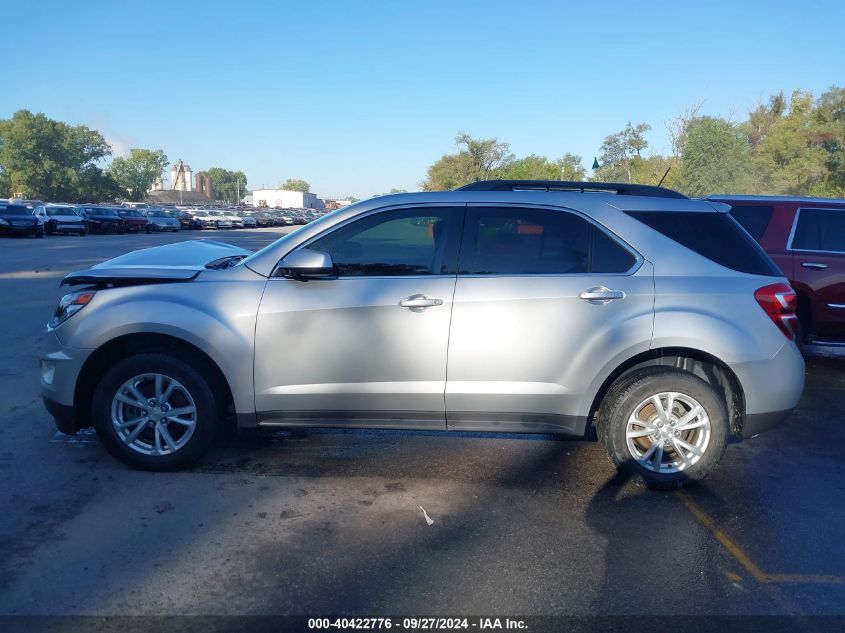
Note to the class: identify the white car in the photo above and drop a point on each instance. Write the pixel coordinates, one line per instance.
(222, 220)
(205, 220)
(234, 218)
(61, 218)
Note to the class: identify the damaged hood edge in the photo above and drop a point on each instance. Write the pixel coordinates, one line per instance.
(161, 264)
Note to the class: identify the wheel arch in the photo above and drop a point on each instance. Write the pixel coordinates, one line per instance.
(696, 362)
(126, 345)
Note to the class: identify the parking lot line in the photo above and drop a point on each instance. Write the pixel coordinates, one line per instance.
(742, 558)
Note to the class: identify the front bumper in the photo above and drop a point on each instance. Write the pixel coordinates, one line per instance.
(69, 227)
(105, 227)
(60, 367)
(772, 388)
(19, 229)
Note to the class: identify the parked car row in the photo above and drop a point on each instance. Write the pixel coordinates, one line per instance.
(38, 218)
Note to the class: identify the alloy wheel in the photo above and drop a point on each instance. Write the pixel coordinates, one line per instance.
(154, 414)
(668, 432)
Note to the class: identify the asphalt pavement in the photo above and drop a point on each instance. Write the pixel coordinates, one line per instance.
(314, 522)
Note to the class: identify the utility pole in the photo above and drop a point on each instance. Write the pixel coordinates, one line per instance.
(238, 199)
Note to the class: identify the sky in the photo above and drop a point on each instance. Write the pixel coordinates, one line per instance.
(361, 97)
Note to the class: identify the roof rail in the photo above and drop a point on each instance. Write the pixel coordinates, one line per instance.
(621, 189)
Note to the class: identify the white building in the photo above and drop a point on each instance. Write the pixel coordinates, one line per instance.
(285, 199)
(181, 177)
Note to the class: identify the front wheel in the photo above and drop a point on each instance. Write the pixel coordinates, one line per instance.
(664, 426)
(154, 411)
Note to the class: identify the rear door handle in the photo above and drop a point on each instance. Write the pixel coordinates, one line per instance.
(420, 301)
(814, 265)
(601, 294)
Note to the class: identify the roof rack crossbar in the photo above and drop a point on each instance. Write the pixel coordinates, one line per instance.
(622, 189)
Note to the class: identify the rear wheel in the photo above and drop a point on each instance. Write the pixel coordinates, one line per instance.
(665, 426)
(154, 411)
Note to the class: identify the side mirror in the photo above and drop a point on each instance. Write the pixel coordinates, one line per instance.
(305, 264)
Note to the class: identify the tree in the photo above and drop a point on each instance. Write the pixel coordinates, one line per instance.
(715, 158)
(295, 184)
(535, 167)
(225, 183)
(137, 173)
(830, 120)
(449, 172)
(477, 159)
(619, 152)
(43, 158)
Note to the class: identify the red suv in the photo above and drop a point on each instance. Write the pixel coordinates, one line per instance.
(806, 239)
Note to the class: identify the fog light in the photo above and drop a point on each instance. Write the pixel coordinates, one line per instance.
(48, 371)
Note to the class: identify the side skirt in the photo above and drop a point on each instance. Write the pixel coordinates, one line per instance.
(428, 420)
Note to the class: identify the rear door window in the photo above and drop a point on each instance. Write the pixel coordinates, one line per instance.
(753, 218)
(716, 236)
(820, 230)
(526, 241)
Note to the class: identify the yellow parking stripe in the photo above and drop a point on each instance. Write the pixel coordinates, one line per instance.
(742, 558)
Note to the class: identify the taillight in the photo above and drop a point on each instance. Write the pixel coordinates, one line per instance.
(779, 302)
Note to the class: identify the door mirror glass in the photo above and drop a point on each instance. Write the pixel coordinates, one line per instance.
(305, 264)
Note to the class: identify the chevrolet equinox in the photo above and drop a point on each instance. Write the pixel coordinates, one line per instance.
(507, 306)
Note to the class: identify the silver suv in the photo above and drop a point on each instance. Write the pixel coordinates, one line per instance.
(511, 306)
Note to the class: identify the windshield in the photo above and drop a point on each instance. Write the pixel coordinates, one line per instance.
(61, 211)
(157, 213)
(101, 211)
(13, 209)
(328, 218)
(129, 213)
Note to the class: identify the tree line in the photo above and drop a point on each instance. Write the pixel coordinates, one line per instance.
(51, 160)
(787, 146)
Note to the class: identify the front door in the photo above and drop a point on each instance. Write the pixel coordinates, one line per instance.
(367, 347)
(544, 300)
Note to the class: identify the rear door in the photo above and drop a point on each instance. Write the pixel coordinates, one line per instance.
(818, 249)
(544, 300)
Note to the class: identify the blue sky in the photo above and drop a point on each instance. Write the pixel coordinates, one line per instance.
(360, 97)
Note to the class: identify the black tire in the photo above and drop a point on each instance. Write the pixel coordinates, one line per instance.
(83, 233)
(40, 234)
(631, 390)
(184, 371)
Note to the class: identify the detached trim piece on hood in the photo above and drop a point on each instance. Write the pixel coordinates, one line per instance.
(130, 276)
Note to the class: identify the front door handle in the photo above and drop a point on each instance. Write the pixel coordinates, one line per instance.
(814, 265)
(601, 294)
(417, 302)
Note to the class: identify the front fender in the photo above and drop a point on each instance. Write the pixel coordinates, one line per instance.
(217, 318)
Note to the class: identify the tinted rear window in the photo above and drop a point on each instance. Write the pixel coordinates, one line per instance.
(820, 230)
(716, 236)
(753, 218)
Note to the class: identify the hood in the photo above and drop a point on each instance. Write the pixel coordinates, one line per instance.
(173, 262)
(70, 217)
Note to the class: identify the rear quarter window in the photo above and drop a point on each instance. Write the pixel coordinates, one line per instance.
(753, 218)
(716, 236)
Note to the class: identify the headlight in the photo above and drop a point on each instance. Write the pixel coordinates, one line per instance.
(4, 222)
(69, 305)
